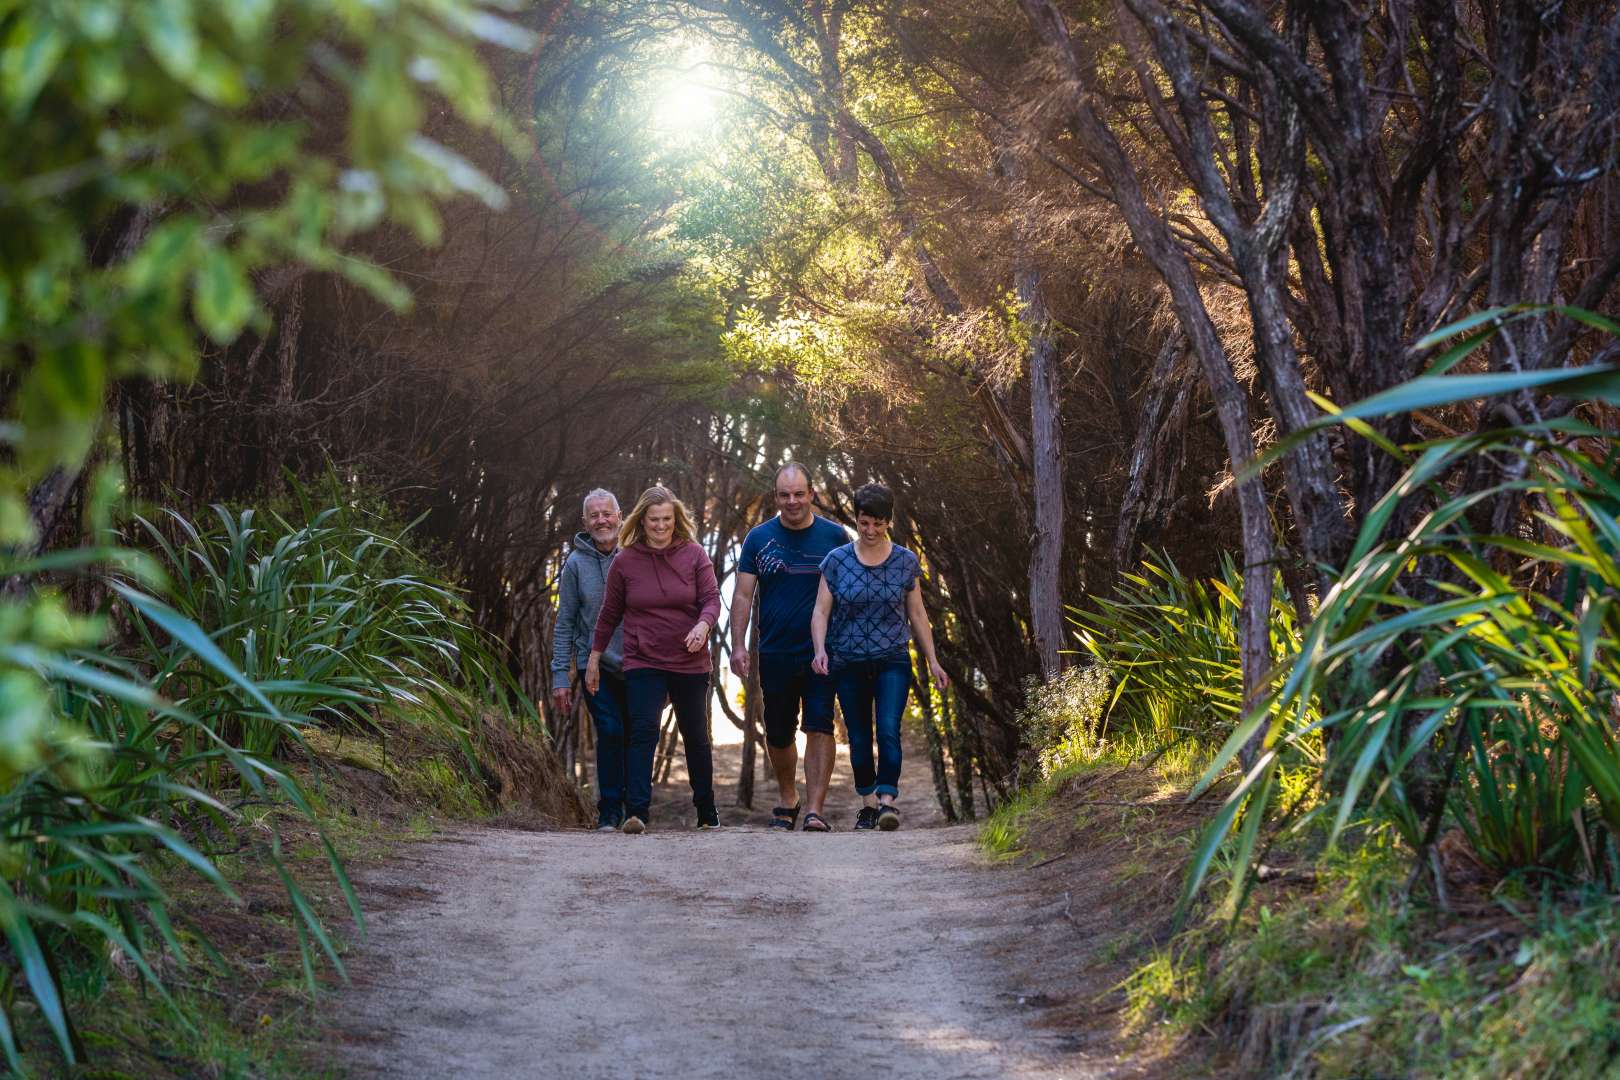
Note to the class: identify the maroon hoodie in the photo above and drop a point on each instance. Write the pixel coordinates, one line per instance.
(659, 594)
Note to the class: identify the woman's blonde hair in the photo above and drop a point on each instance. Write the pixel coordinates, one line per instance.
(631, 531)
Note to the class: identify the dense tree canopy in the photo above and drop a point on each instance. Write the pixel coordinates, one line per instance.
(1055, 272)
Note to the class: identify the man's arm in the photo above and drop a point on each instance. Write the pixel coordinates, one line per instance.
(742, 611)
(562, 636)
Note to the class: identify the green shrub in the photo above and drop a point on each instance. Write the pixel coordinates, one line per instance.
(272, 627)
(1452, 668)
(1062, 717)
(330, 618)
(1169, 642)
(155, 161)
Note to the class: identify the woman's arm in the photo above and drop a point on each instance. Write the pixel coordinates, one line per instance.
(818, 627)
(708, 595)
(923, 633)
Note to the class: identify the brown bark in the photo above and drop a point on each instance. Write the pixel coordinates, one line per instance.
(1152, 235)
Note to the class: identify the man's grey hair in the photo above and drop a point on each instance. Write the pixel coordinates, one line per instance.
(593, 495)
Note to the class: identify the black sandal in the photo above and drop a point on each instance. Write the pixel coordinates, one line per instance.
(784, 817)
(814, 822)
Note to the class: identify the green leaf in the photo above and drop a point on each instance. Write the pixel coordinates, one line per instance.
(1599, 381)
(37, 970)
(222, 296)
(376, 281)
(217, 78)
(189, 634)
(248, 18)
(169, 29)
(30, 55)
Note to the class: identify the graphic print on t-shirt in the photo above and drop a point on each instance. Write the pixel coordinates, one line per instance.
(778, 558)
(788, 565)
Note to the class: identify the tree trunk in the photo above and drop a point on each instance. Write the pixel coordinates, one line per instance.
(936, 752)
(1152, 235)
(1046, 437)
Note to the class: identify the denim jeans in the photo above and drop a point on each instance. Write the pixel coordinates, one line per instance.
(609, 709)
(873, 694)
(648, 689)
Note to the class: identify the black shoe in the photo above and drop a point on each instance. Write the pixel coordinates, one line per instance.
(708, 819)
(609, 820)
(866, 819)
(888, 818)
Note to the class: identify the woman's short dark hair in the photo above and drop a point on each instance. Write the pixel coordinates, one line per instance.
(875, 501)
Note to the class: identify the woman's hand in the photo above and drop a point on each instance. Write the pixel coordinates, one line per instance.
(698, 637)
(593, 672)
(941, 679)
(819, 664)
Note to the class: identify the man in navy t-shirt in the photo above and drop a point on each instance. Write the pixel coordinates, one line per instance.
(782, 558)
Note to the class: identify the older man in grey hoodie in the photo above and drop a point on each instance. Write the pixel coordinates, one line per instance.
(579, 599)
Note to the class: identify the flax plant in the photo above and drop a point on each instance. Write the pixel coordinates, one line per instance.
(1453, 672)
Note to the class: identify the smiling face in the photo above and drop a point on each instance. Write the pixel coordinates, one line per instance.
(873, 530)
(793, 498)
(659, 524)
(602, 519)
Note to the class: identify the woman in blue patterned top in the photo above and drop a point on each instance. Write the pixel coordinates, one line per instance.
(867, 613)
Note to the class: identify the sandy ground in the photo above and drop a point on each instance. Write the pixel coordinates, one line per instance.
(737, 953)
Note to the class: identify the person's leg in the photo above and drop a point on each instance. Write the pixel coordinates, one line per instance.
(780, 689)
(854, 687)
(608, 708)
(644, 692)
(891, 683)
(820, 750)
(690, 694)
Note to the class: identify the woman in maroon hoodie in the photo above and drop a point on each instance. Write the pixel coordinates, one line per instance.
(662, 587)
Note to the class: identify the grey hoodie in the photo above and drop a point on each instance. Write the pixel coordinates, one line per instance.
(579, 595)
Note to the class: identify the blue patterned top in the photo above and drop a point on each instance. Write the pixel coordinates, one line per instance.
(869, 604)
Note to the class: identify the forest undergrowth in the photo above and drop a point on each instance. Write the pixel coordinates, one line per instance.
(1408, 843)
(286, 695)
(1332, 968)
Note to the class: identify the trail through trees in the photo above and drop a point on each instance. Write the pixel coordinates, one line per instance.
(729, 954)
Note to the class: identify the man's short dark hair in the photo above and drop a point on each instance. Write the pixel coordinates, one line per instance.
(793, 466)
(875, 501)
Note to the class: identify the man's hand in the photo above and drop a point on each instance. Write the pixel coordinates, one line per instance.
(739, 663)
(562, 698)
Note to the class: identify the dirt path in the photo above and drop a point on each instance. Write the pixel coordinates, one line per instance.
(738, 953)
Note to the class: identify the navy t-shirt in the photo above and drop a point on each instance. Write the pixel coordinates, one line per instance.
(788, 565)
(869, 619)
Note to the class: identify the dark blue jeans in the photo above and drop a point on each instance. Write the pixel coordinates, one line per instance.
(873, 695)
(648, 689)
(609, 709)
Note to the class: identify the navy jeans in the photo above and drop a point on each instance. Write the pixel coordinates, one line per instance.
(648, 689)
(609, 709)
(873, 694)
